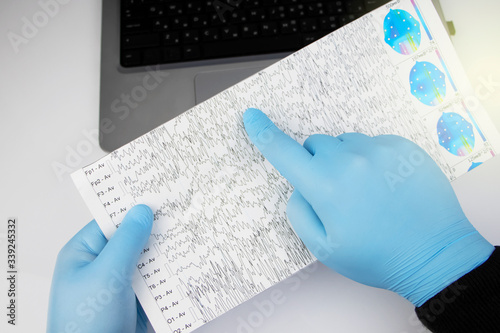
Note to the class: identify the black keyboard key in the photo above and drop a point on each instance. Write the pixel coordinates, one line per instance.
(215, 19)
(142, 40)
(129, 3)
(255, 3)
(194, 7)
(133, 2)
(293, 12)
(151, 57)
(199, 21)
(191, 37)
(373, 4)
(171, 38)
(329, 23)
(346, 19)
(237, 17)
(230, 32)
(277, 13)
(316, 9)
(211, 34)
(181, 22)
(250, 30)
(308, 25)
(136, 26)
(355, 6)
(174, 9)
(252, 46)
(131, 58)
(335, 8)
(257, 14)
(289, 27)
(171, 54)
(269, 29)
(133, 13)
(191, 52)
(161, 24)
(155, 10)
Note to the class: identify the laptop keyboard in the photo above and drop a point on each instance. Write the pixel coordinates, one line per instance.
(169, 31)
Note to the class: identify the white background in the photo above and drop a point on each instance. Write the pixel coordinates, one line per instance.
(49, 98)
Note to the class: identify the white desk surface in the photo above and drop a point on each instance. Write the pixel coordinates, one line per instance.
(49, 97)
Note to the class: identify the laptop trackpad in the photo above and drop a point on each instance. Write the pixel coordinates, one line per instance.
(209, 84)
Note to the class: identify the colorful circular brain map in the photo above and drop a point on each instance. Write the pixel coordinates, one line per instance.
(402, 31)
(455, 134)
(428, 83)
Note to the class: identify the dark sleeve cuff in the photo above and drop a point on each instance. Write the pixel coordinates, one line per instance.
(470, 304)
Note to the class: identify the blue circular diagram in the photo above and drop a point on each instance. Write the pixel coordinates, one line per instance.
(455, 134)
(428, 83)
(402, 31)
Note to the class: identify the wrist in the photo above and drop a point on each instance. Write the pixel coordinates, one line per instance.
(447, 263)
(460, 308)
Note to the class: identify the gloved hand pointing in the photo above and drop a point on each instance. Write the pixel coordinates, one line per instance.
(377, 210)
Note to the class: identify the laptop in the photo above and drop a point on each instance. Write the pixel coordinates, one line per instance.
(160, 58)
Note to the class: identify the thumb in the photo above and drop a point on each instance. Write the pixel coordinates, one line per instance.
(123, 249)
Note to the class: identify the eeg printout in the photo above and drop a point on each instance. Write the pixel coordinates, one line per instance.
(220, 234)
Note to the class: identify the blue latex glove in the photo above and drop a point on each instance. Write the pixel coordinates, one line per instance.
(376, 210)
(91, 286)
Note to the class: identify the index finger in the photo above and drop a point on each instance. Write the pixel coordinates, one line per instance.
(289, 157)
